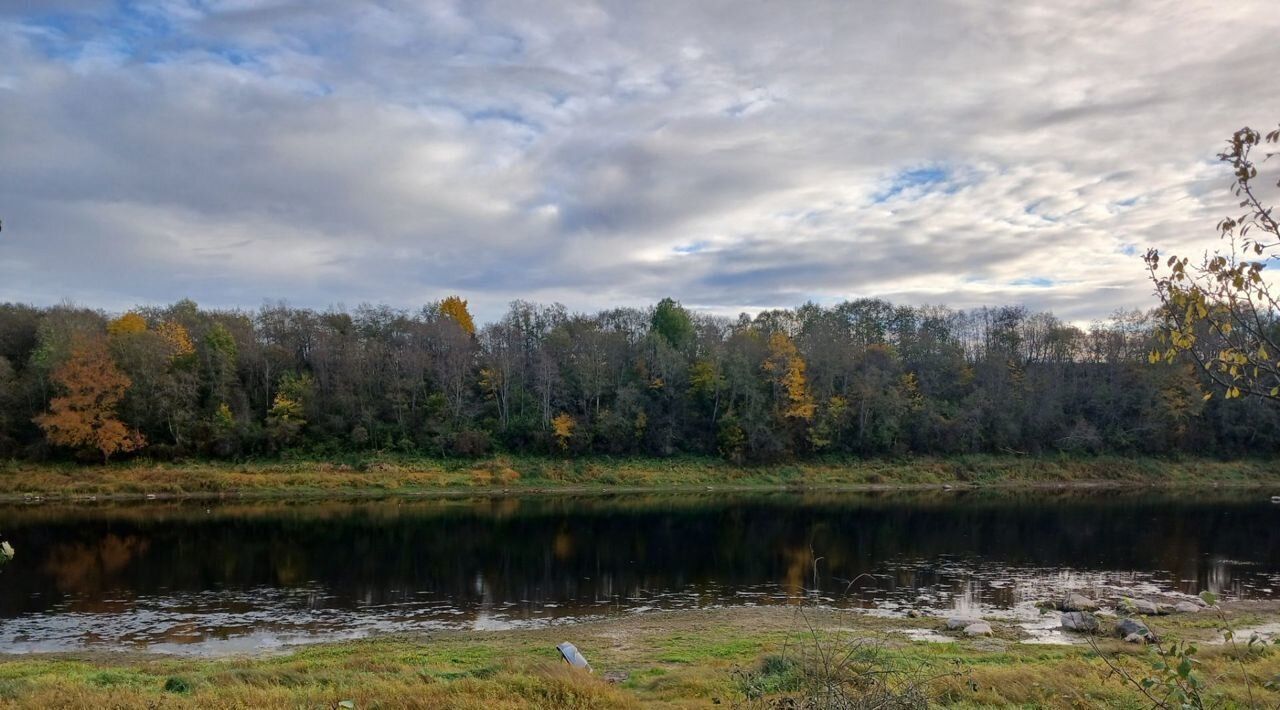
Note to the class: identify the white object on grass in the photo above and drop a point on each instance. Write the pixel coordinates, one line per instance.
(570, 654)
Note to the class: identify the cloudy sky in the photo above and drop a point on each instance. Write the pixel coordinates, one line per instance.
(737, 155)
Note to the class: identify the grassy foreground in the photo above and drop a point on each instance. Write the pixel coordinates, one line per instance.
(391, 474)
(670, 659)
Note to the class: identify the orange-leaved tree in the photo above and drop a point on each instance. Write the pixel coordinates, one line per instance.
(84, 416)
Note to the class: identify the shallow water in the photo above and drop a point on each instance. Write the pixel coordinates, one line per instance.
(222, 577)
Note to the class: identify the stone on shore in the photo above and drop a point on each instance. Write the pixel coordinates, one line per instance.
(1128, 629)
(958, 623)
(1141, 606)
(1080, 621)
(980, 628)
(1077, 602)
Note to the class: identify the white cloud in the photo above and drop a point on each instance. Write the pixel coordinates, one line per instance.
(728, 154)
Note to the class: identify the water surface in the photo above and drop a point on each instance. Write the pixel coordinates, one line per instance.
(234, 576)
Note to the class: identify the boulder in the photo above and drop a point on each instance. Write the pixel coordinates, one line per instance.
(1125, 628)
(957, 623)
(913, 614)
(1186, 607)
(1135, 638)
(980, 628)
(1081, 621)
(1141, 606)
(1077, 602)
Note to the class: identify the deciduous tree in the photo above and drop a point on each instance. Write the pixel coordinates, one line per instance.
(672, 322)
(456, 308)
(84, 415)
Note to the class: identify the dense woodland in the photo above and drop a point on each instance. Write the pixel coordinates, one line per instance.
(863, 377)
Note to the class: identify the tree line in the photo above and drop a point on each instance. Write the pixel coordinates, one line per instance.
(863, 377)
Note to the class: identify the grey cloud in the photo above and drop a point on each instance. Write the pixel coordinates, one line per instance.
(332, 152)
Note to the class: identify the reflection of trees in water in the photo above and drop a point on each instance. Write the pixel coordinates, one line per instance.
(1222, 579)
(86, 569)
(529, 551)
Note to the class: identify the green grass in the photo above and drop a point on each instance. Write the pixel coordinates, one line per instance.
(669, 659)
(389, 474)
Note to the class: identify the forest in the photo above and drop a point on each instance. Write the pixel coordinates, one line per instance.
(864, 377)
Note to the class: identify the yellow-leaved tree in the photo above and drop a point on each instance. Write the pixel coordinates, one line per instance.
(127, 324)
(178, 339)
(562, 429)
(84, 415)
(456, 308)
(786, 369)
(287, 415)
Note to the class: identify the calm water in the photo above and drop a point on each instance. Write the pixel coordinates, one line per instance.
(225, 577)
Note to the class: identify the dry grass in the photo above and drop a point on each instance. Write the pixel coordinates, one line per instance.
(396, 475)
(673, 660)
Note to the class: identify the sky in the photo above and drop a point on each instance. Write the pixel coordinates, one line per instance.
(736, 156)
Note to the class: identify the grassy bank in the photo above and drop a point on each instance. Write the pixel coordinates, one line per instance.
(672, 659)
(389, 474)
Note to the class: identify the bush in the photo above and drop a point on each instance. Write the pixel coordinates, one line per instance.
(841, 672)
(176, 684)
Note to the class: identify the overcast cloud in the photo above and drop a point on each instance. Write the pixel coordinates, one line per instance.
(736, 156)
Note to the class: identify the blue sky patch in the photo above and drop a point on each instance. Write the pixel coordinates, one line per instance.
(924, 180)
(1034, 281)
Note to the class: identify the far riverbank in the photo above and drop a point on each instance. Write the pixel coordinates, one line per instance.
(381, 475)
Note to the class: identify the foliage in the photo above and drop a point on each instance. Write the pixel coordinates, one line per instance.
(84, 415)
(288, 414)
(562, 428)
(456, 309)
(672, 323)
(786, 368)
(128, 324)
(859, 378)
(177, 338)
(1222, 311)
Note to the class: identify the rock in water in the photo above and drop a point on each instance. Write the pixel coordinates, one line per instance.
(1081, 621)
(1078, 602)
(980, 628)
